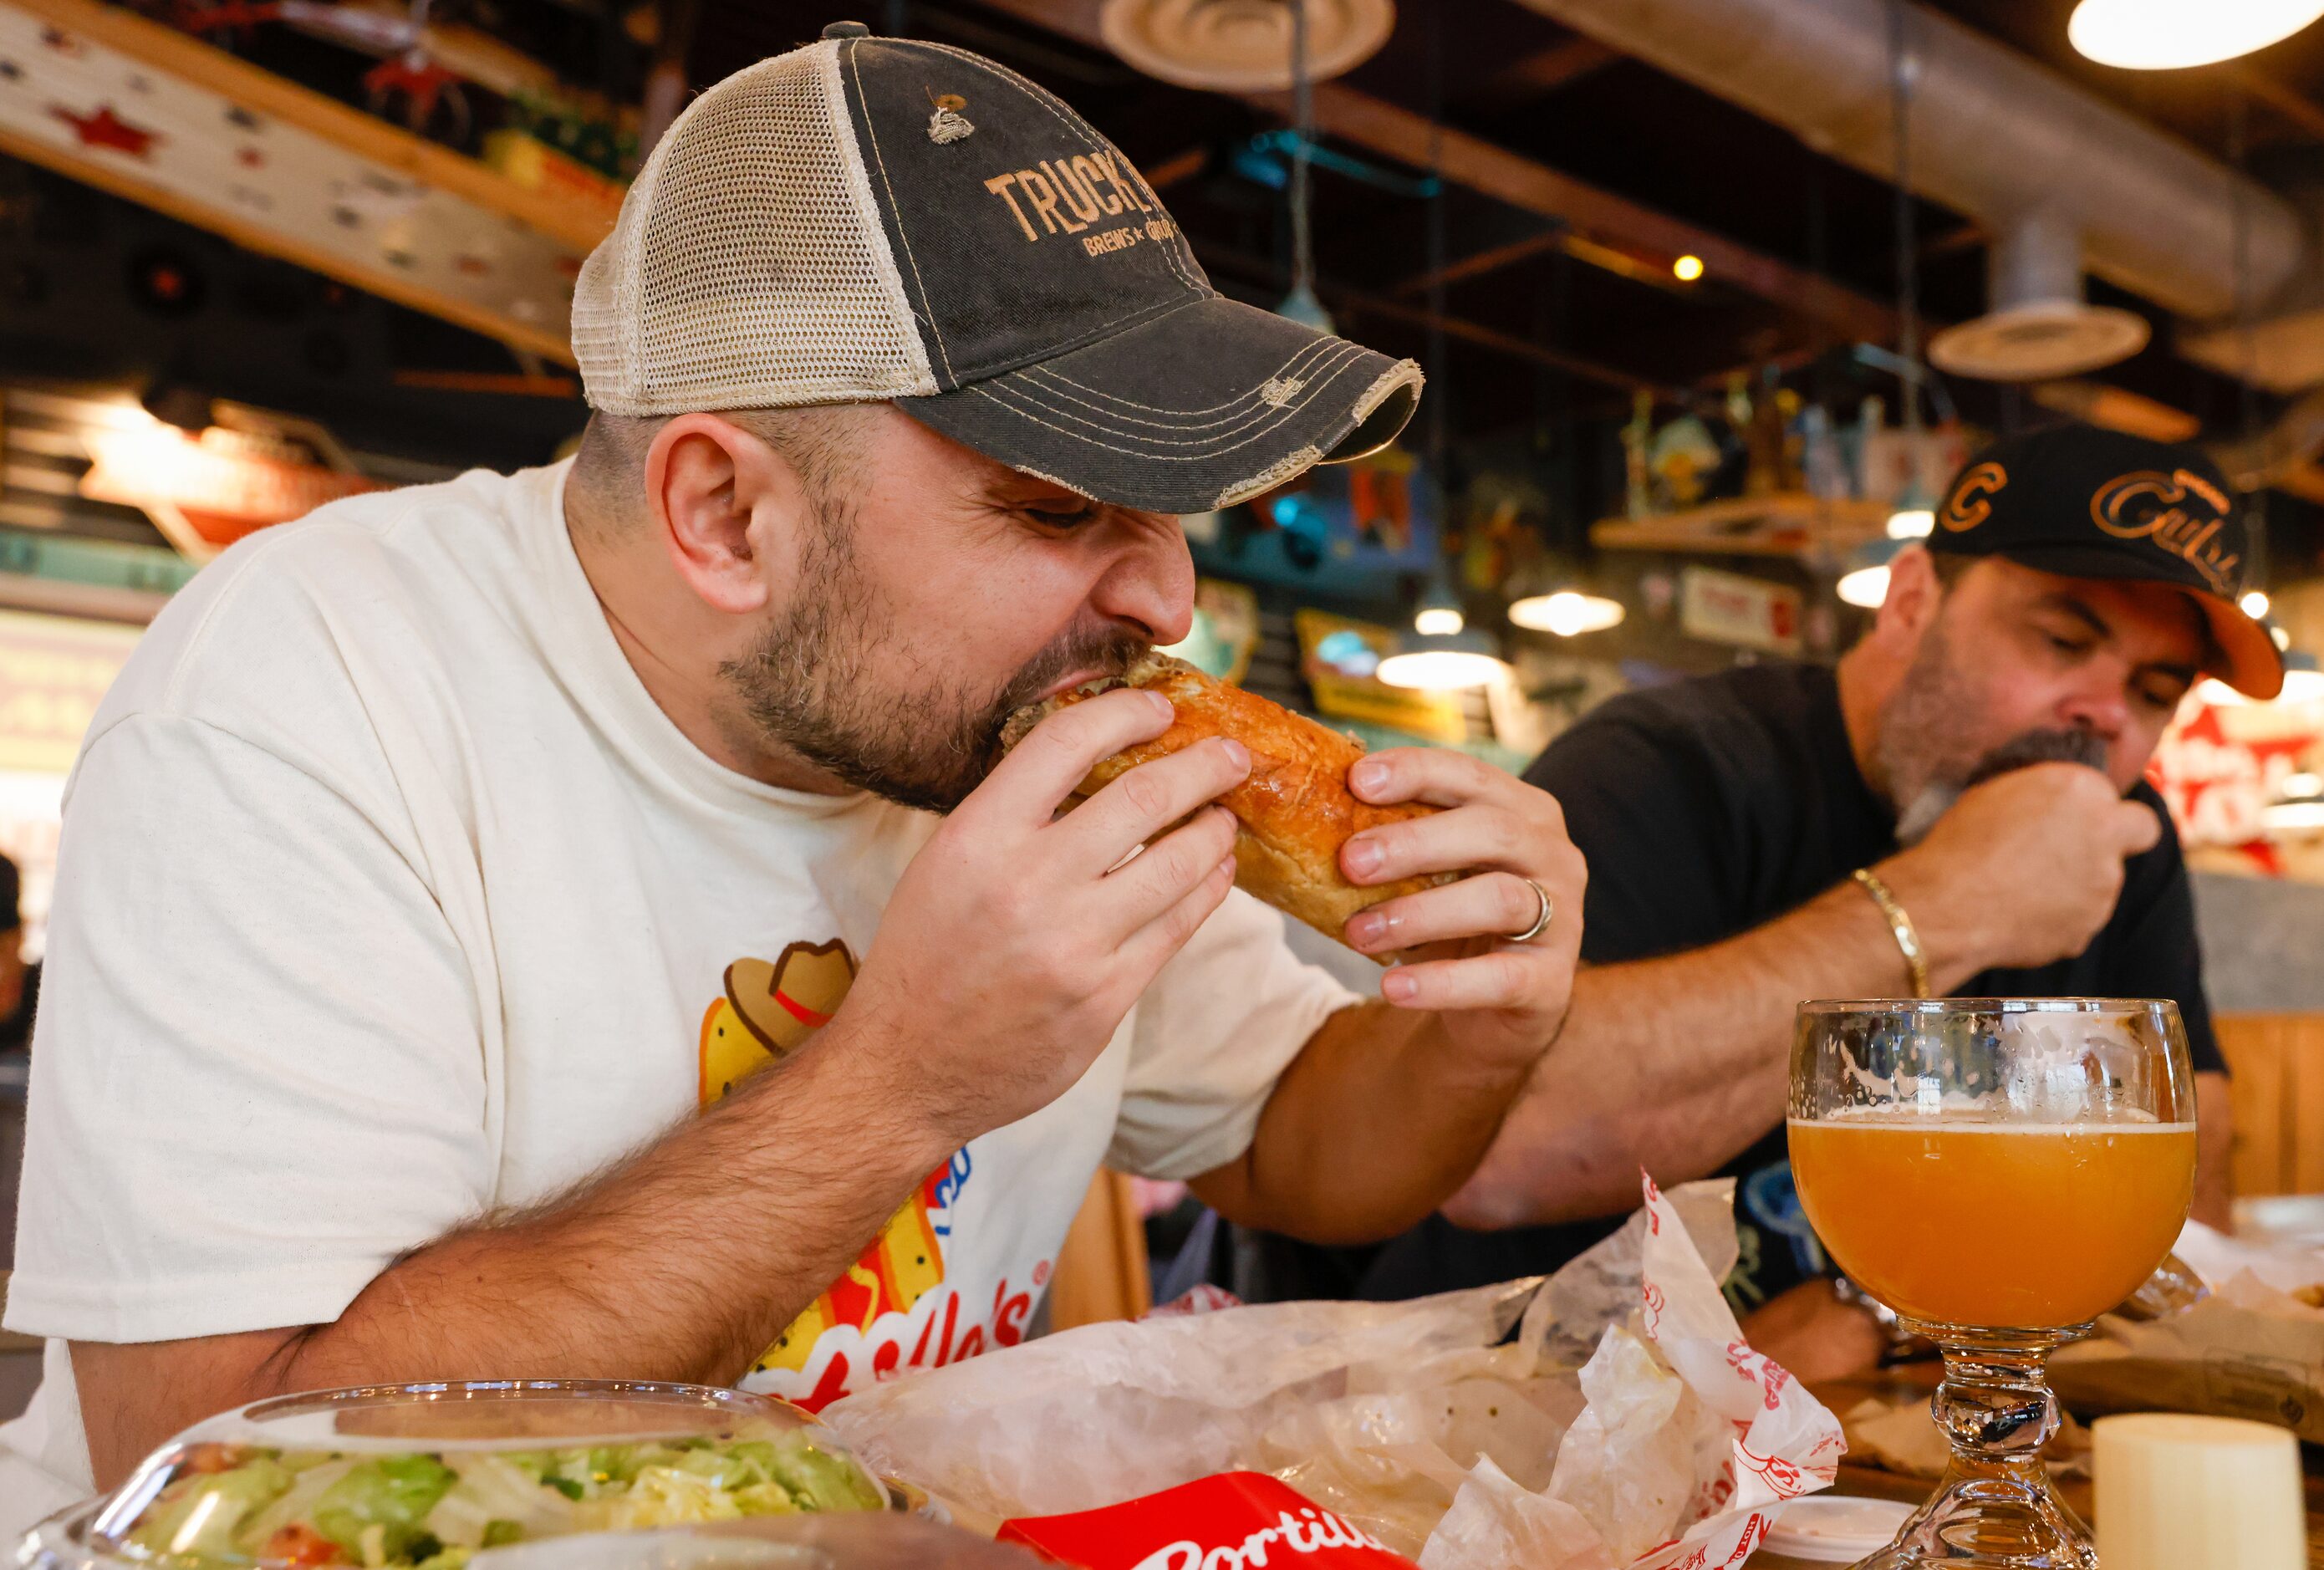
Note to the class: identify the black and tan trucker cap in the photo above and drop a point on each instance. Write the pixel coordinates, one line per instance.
(872, 218)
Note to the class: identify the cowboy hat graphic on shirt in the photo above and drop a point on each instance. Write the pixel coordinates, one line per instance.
(768, 1011)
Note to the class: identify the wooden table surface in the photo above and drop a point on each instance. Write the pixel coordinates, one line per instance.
(1915, 1381)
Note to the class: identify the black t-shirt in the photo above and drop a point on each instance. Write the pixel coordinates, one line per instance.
(1707, 808)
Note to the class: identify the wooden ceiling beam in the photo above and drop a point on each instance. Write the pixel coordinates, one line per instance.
(1348, 301)
(1595, 214)
(1544, 71)
(1178, 168)
(1491, 259)
(2297, 107)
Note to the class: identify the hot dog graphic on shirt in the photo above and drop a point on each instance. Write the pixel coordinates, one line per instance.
(770, 1010)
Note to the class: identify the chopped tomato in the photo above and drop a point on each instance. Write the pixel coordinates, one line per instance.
(298, 1544)
(206, 1458)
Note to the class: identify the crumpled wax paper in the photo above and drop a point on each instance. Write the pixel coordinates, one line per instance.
(2253, 1348)
(1627, 1423)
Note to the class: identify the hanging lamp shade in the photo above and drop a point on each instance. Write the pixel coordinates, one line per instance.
(1439, 613)
(1444, 662)
(1302, 306)
(1864, 582)
(2171, 35)
(1242, 46)
(1566, 613)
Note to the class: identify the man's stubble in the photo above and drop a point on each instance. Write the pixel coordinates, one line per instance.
(1930, 746)
(810, 687)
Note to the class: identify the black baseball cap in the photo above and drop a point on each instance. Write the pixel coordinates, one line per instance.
(888, 219)
(2083, 503)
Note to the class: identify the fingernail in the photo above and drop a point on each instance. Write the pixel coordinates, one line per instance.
(1238, 755)
(1398, 987)
(1369, 928)
(1362, 857)
(1368, 775)
(1161, 705)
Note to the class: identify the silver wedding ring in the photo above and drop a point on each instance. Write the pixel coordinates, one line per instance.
(1541, 922)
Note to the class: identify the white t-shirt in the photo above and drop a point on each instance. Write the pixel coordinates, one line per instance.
(387, 896)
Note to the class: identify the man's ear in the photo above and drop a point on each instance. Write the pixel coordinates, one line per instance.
(716, 494)
(1916, 596)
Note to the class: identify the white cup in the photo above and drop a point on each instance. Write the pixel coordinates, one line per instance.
(2181, 1493)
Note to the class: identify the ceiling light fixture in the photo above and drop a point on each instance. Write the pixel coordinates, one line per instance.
(1439, 613)
(1863, 576)
(1443, 663)
(1865, 588)
(1566, 614)
(2157, 35)
(1912, 520)
(1687, 269)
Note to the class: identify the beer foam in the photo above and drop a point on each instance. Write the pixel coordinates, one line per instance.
(1970, 1120)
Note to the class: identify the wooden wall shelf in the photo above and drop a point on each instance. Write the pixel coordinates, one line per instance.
(1787, 524)
(148, 113)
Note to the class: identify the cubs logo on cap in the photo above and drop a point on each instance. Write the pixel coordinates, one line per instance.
(2098, 504)
(870, 218)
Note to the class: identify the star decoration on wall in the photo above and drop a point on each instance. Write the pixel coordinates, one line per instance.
(107, 129)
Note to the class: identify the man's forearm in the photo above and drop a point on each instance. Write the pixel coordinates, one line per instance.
(683, 1262)
(1374, 1125)
(1678, 1064)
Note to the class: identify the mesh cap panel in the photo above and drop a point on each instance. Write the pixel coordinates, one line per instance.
(749, 268)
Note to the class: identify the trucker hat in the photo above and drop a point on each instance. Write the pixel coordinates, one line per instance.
(2084, 503)
(872, 219)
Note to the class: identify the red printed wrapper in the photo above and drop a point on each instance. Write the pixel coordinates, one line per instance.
(1227, 1522)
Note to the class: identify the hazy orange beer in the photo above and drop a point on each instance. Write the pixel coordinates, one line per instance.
(2007, 1226)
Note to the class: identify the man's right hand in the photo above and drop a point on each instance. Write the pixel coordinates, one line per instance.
(2022, 871)
(1017, 939)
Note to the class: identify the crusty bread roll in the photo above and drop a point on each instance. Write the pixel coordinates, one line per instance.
(1293, 808)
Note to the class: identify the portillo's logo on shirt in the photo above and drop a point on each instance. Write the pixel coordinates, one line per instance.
(2181, 512)
(892, 1308)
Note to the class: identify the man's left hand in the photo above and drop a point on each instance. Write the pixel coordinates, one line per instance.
(1499, 998)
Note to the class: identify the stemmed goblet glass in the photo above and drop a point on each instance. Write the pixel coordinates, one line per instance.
(2000, 1172)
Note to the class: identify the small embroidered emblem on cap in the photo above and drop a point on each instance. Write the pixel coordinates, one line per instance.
(948, 124)
(1280, 390)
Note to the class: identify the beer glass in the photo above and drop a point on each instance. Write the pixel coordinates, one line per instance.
(2000, 1172)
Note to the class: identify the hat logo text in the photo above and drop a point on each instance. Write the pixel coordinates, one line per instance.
(2150, 505)
(1065, 196)
(1972, 503)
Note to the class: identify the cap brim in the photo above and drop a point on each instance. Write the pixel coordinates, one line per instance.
(1195, 410)
(2243, 654)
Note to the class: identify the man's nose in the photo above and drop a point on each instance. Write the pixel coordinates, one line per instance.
(1150, 584)
(2102, 707)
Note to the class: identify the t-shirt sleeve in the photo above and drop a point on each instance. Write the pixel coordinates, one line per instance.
(2151, 949)
(257, 1071)
(1642, 807)
(1210, 1039)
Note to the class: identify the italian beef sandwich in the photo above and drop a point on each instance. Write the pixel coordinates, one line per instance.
(1293, 810)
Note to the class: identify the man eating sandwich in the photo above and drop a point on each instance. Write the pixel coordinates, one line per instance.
(583, 922)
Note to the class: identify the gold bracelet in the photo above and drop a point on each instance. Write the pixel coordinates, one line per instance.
(1917, 958)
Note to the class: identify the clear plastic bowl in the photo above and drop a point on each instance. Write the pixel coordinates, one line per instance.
(396, 1477)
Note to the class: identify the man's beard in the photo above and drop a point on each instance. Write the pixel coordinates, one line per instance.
(806, 687)
(1926, 729)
